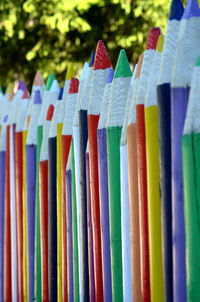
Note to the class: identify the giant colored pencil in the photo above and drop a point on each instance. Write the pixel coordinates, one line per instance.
(16, 103)
(31, 152)
(103, 189)
(119, 90)
(153, 176)
(101, 65)
(45, 103)
(7, 216)
(21, 119)
(164, 107)
(19, 193)
(70, 280)
(181, 80)
(52, 200)
(133, 190)
(90, 231)
(66, 139)
(2, 199)
(75, 231)
(43, 180)
(125, 207)
(191, 177)
(141, 161)
(80, 133)
(79, 157)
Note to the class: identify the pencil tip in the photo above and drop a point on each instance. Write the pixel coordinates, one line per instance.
(38, 80)
(37, 97)
(176, 10)
(154, 34)
(50, 112)
(122, 68)
(49, 83)
(71, 71)
(102, 59)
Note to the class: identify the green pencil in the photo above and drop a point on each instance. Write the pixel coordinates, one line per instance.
(119, 91)
(191, 177)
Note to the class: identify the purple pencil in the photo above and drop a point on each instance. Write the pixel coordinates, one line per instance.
(181, 80)
(103, 190)
(31, 151)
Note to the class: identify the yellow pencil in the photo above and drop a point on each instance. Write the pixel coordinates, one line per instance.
(153, 176)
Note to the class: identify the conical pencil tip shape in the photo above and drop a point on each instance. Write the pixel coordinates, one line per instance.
(37, 97)
(176, 10)
(71, 71)
(74, 84)
(197, 64)
(60, 93)
(110, 75)
(154, 34)
(91, 62)
(102, 59)
(122, 69)
(160, 43)
(49, 83)
(22, 86)
(26, 95)
(50, 113)
(191, 10)
(38, 80)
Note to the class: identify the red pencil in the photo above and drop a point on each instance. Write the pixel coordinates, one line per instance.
(141, 162)
(101, 66)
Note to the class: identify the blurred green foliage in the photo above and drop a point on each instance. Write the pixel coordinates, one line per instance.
(48, 34)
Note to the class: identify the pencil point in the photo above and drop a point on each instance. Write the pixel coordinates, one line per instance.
(197, 62)
(176, 10)
(102, 59)
(60, 93)
(122, 69)
(38, 80)
(49, 83)
(160, 43)
(74, 84)
(71, 71)
(22, 86)
(154, 34)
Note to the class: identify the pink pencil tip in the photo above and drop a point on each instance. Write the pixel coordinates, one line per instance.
(25, 95)
(74, 84)
(154, 34)
(38, 80)
(102, 59)
(50, 113)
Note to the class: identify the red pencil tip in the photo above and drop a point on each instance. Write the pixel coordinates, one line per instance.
(74, 84)
(25, 95)
(50, 113)
(154, 34)
(102, 59)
